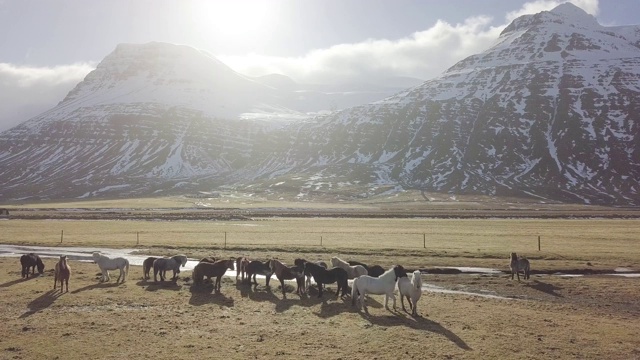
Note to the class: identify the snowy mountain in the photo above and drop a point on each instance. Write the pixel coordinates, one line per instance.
(550, 111)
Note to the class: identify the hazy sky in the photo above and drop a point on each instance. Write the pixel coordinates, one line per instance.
(47, 47)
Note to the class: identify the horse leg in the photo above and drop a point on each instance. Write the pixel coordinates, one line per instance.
(55, 281)
(518, 274)
(284, 295)
(414, 311)
(402, 302)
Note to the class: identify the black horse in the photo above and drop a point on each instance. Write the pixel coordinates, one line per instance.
(258, 267)
(32, 261)
(300, 263)
(323, 276)
(373, 270)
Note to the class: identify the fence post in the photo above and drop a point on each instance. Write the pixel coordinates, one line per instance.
(137, 238)
(61, 235)
(225, 239)
(538, 242)
(424, 240)
(320, 240)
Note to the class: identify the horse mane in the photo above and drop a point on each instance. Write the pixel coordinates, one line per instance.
(386, 273)
(182, 259)
(338, 260)
(63, 263)
(416, 280)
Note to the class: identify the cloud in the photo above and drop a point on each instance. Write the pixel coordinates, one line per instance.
(423, 55)
(28, 91)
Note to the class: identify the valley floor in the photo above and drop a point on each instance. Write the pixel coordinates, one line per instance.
(591, 317)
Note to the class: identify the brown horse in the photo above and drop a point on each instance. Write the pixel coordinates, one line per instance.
(62, 272)
(241, 267)
(147, 265)
(284, 272)
(210, 270)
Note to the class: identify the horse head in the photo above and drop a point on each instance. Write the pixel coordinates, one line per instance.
(40, 266)
(96, 256)
(514, 256)
(399, 271)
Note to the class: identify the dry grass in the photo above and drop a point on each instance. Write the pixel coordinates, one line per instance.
(552, 318)
(603, 243)
(591, 317)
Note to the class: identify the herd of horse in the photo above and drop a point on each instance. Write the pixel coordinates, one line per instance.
(365, 279)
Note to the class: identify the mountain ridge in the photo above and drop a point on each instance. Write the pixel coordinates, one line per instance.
(549, 112)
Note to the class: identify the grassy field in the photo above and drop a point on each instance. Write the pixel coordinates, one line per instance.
(543, 318)
(603, 243)
(469, 317)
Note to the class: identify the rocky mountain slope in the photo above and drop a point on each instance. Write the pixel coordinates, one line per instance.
(550, 111)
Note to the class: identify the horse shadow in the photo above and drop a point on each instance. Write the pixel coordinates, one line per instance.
(13, 282)
(103, 285)
(263, 293)
(418, 323)
(202, 295)
(41, 302)
(332, 308)
(150, 285)
(545, 288)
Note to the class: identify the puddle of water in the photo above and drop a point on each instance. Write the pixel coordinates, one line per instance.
(441, 290)
(633, 275)
(84, 254)
(475, 270)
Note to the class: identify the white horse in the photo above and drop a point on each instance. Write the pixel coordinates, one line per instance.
(161, 265)
(385, 284)
(352, 271)
(412, 289)
(105, 263)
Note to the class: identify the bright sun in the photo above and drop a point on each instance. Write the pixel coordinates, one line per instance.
(235, 20)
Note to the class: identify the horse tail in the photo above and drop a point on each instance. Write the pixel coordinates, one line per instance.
(354, 291)
(126, 267)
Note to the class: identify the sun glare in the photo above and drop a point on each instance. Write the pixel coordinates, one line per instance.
(233, 20)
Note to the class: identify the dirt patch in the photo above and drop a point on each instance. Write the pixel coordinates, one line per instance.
(543, 318)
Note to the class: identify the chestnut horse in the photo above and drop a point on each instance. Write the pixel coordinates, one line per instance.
(210, 270)
(284, 272)
(32, 261)
(62, 272)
